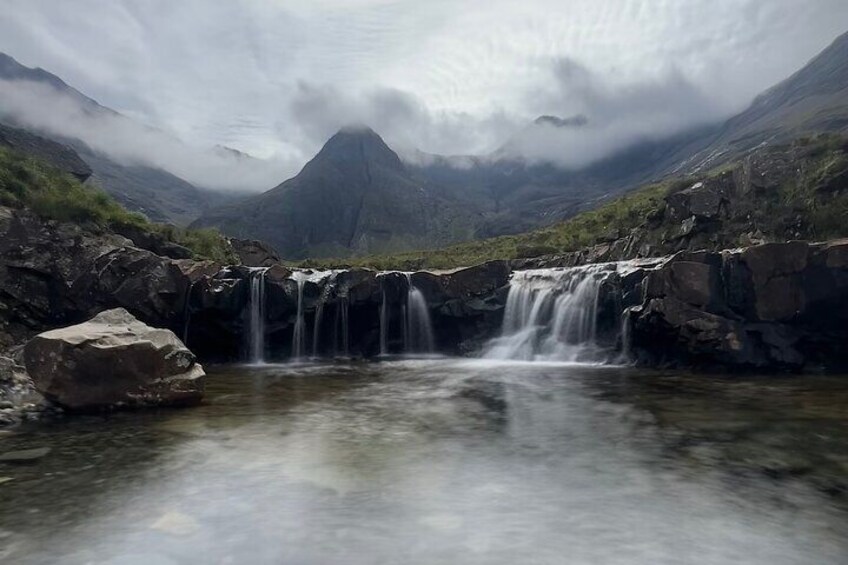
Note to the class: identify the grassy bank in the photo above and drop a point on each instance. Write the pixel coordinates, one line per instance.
(26, 182)
(809, 202)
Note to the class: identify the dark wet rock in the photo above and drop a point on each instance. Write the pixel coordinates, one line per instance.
(153, 242)
(253, 253)
(56, 274)
(768, 307)
(112, 361)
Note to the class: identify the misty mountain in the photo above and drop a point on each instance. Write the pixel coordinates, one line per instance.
(814, 99)
(526, 195)
(357, 197)
(155, 192)
(354, 197)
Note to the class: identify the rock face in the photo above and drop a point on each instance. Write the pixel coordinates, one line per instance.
(354, 197)
(774, 306)
(111, 361)
(54, 275)
(254, 253)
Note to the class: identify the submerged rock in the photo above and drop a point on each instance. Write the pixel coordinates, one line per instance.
(113, 360)
(24, 455)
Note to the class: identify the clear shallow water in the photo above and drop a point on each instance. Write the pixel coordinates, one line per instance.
(444, 461)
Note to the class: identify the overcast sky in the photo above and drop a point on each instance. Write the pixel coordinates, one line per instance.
(276, 78)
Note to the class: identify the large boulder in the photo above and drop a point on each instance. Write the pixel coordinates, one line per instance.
(112, 361)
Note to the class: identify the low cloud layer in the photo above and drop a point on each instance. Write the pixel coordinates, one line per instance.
(275, 79)
(42, 107)
(612, 117)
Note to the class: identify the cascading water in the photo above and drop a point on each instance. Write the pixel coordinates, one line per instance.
(299, 335)
(341, 333)
(384, 325)
(551, 315)
(418, 331)
(316, 326)
(298, 346)
(257, 315)
(187, 312)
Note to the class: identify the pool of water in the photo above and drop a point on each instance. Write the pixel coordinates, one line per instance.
(443, 461)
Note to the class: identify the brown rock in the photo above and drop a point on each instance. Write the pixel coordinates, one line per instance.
(113, 360)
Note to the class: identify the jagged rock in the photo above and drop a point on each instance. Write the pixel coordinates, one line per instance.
(253, 253)
(773, 306)
(113, 360)
(56, 274)
(153, 242)
(152, 287)
(704, 199)
(776, 275)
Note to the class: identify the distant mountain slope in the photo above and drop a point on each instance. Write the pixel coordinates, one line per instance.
(160, 195)
(813, 100)
(354, 197)
(525, 196)
(335, 208)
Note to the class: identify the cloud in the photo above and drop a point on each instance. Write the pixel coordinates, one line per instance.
(612, 116)
(275, 78)
(403, 120)
(41, 106)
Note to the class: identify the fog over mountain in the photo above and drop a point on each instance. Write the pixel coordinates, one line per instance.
(41, 106)
(276, 80)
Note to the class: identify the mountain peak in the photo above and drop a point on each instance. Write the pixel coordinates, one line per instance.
(358, 143)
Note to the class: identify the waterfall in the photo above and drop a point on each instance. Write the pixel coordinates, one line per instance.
(384, 325)
(187, 312)
(257, 315)
(316, 325)
(551, 315)
(418, 331)
(298, 346)
(299, 335)
(625, 337)
(341, 333)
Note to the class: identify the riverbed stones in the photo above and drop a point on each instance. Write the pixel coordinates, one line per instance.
(113, 361)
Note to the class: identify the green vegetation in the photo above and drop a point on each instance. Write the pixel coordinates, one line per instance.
(810, 203)
(26, 182)
(606, 223)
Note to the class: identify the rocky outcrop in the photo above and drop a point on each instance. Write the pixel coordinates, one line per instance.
(55, 274)
(113, 361)
(153, 242)
(773, 306)
(252, 253)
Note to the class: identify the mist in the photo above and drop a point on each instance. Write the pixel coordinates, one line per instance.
(41, 107)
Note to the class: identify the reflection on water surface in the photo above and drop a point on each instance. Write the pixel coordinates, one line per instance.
(443, 461)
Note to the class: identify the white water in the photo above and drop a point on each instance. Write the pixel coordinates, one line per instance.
(299, 336)
(257, 315)
(418, 330)
(384, 325)
(341, 329)
(551, 315)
